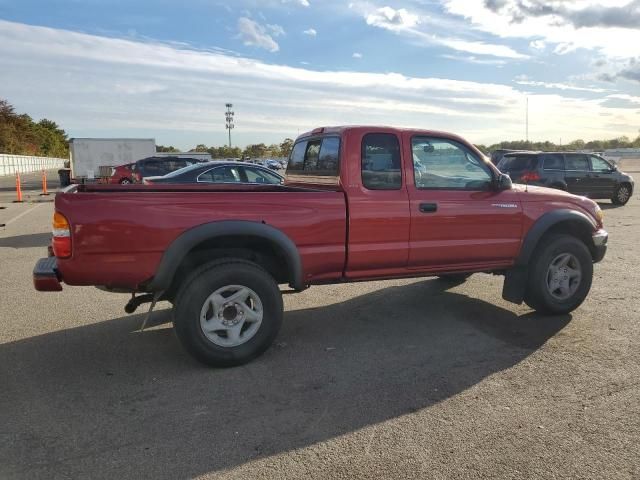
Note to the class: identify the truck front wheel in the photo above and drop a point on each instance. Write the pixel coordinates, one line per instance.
(560, 275)
(228, 313)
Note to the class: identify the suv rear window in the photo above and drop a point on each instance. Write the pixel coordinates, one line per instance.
(315, 157)
(517, 162)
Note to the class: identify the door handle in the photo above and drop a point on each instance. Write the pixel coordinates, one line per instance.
(428, 207)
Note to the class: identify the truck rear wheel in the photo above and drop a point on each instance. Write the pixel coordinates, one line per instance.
(560, 275)
(228, 313)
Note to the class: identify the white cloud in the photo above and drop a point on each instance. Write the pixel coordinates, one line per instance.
(509, 19)
(253, 34)
(537, 44)
(311, 32)
(303, 3)
(560, 86)
(405, 23)
(356, 55)
(622, 96)
(99, 86)
(387, 17)
(276, 30)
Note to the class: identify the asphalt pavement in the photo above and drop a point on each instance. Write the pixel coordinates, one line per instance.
(393, 379)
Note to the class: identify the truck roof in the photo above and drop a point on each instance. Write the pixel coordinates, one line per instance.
(343, 128)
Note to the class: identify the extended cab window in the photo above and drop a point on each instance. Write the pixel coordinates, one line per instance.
(439, 163)
(381, 162)
(317, 157)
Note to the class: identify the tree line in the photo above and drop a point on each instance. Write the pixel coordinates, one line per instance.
(592, 145)
(257, 150)
(21, 135)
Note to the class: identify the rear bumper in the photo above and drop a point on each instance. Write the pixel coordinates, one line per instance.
(45, 275)
(600, 238)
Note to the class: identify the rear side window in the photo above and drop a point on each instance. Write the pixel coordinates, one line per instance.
(226, 174)
(577, 162)
(553, 162)
(257, 175)
(517, 162)
(316, 159)
(329, 155)
(381, 162)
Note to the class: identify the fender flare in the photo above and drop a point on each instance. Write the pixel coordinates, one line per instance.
(543, 224)
(515, 281)
(182, 245)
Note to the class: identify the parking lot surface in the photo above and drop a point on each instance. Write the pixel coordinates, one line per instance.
(394, 379)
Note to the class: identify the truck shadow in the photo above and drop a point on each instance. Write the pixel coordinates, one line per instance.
(26, 241)
(104, 400)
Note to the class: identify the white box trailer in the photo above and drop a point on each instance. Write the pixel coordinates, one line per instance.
(87, 155)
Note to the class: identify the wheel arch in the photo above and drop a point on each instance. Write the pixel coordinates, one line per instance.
(230, 238)
(570, 222)
(566, 221)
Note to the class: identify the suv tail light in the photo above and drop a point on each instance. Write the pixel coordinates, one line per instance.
(530, 177)
(61, 242)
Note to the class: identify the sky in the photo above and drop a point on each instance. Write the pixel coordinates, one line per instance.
(166, 69)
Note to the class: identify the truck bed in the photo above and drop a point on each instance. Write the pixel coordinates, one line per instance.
(120, 233)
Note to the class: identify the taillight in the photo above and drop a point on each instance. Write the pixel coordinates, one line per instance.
(530, 177)
(61, 242)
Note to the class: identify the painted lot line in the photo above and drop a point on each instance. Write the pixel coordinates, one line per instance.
(11, 220)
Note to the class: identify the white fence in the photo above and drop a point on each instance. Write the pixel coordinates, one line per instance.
(12, 164)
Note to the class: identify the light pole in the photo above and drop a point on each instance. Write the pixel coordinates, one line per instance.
(527, 122)
(229, 117)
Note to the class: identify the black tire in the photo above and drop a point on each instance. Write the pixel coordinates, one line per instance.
(454, 278)
(559, 186)
(537, 294)
(125, 181)
(622, 194)
(208, 279)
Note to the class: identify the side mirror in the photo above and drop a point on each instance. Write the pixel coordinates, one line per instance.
(503, 182)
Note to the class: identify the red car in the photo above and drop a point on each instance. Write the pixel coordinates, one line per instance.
(148, 167)
(122, 174)
(358, 203)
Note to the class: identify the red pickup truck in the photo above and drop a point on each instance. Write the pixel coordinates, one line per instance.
(359, 203)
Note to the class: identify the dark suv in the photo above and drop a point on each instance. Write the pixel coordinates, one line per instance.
(579, 173)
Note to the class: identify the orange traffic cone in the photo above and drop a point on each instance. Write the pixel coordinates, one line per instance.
(44, 184)
(18, 189)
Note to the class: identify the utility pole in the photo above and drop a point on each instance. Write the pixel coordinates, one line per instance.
(527, 121)
(229, 117)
